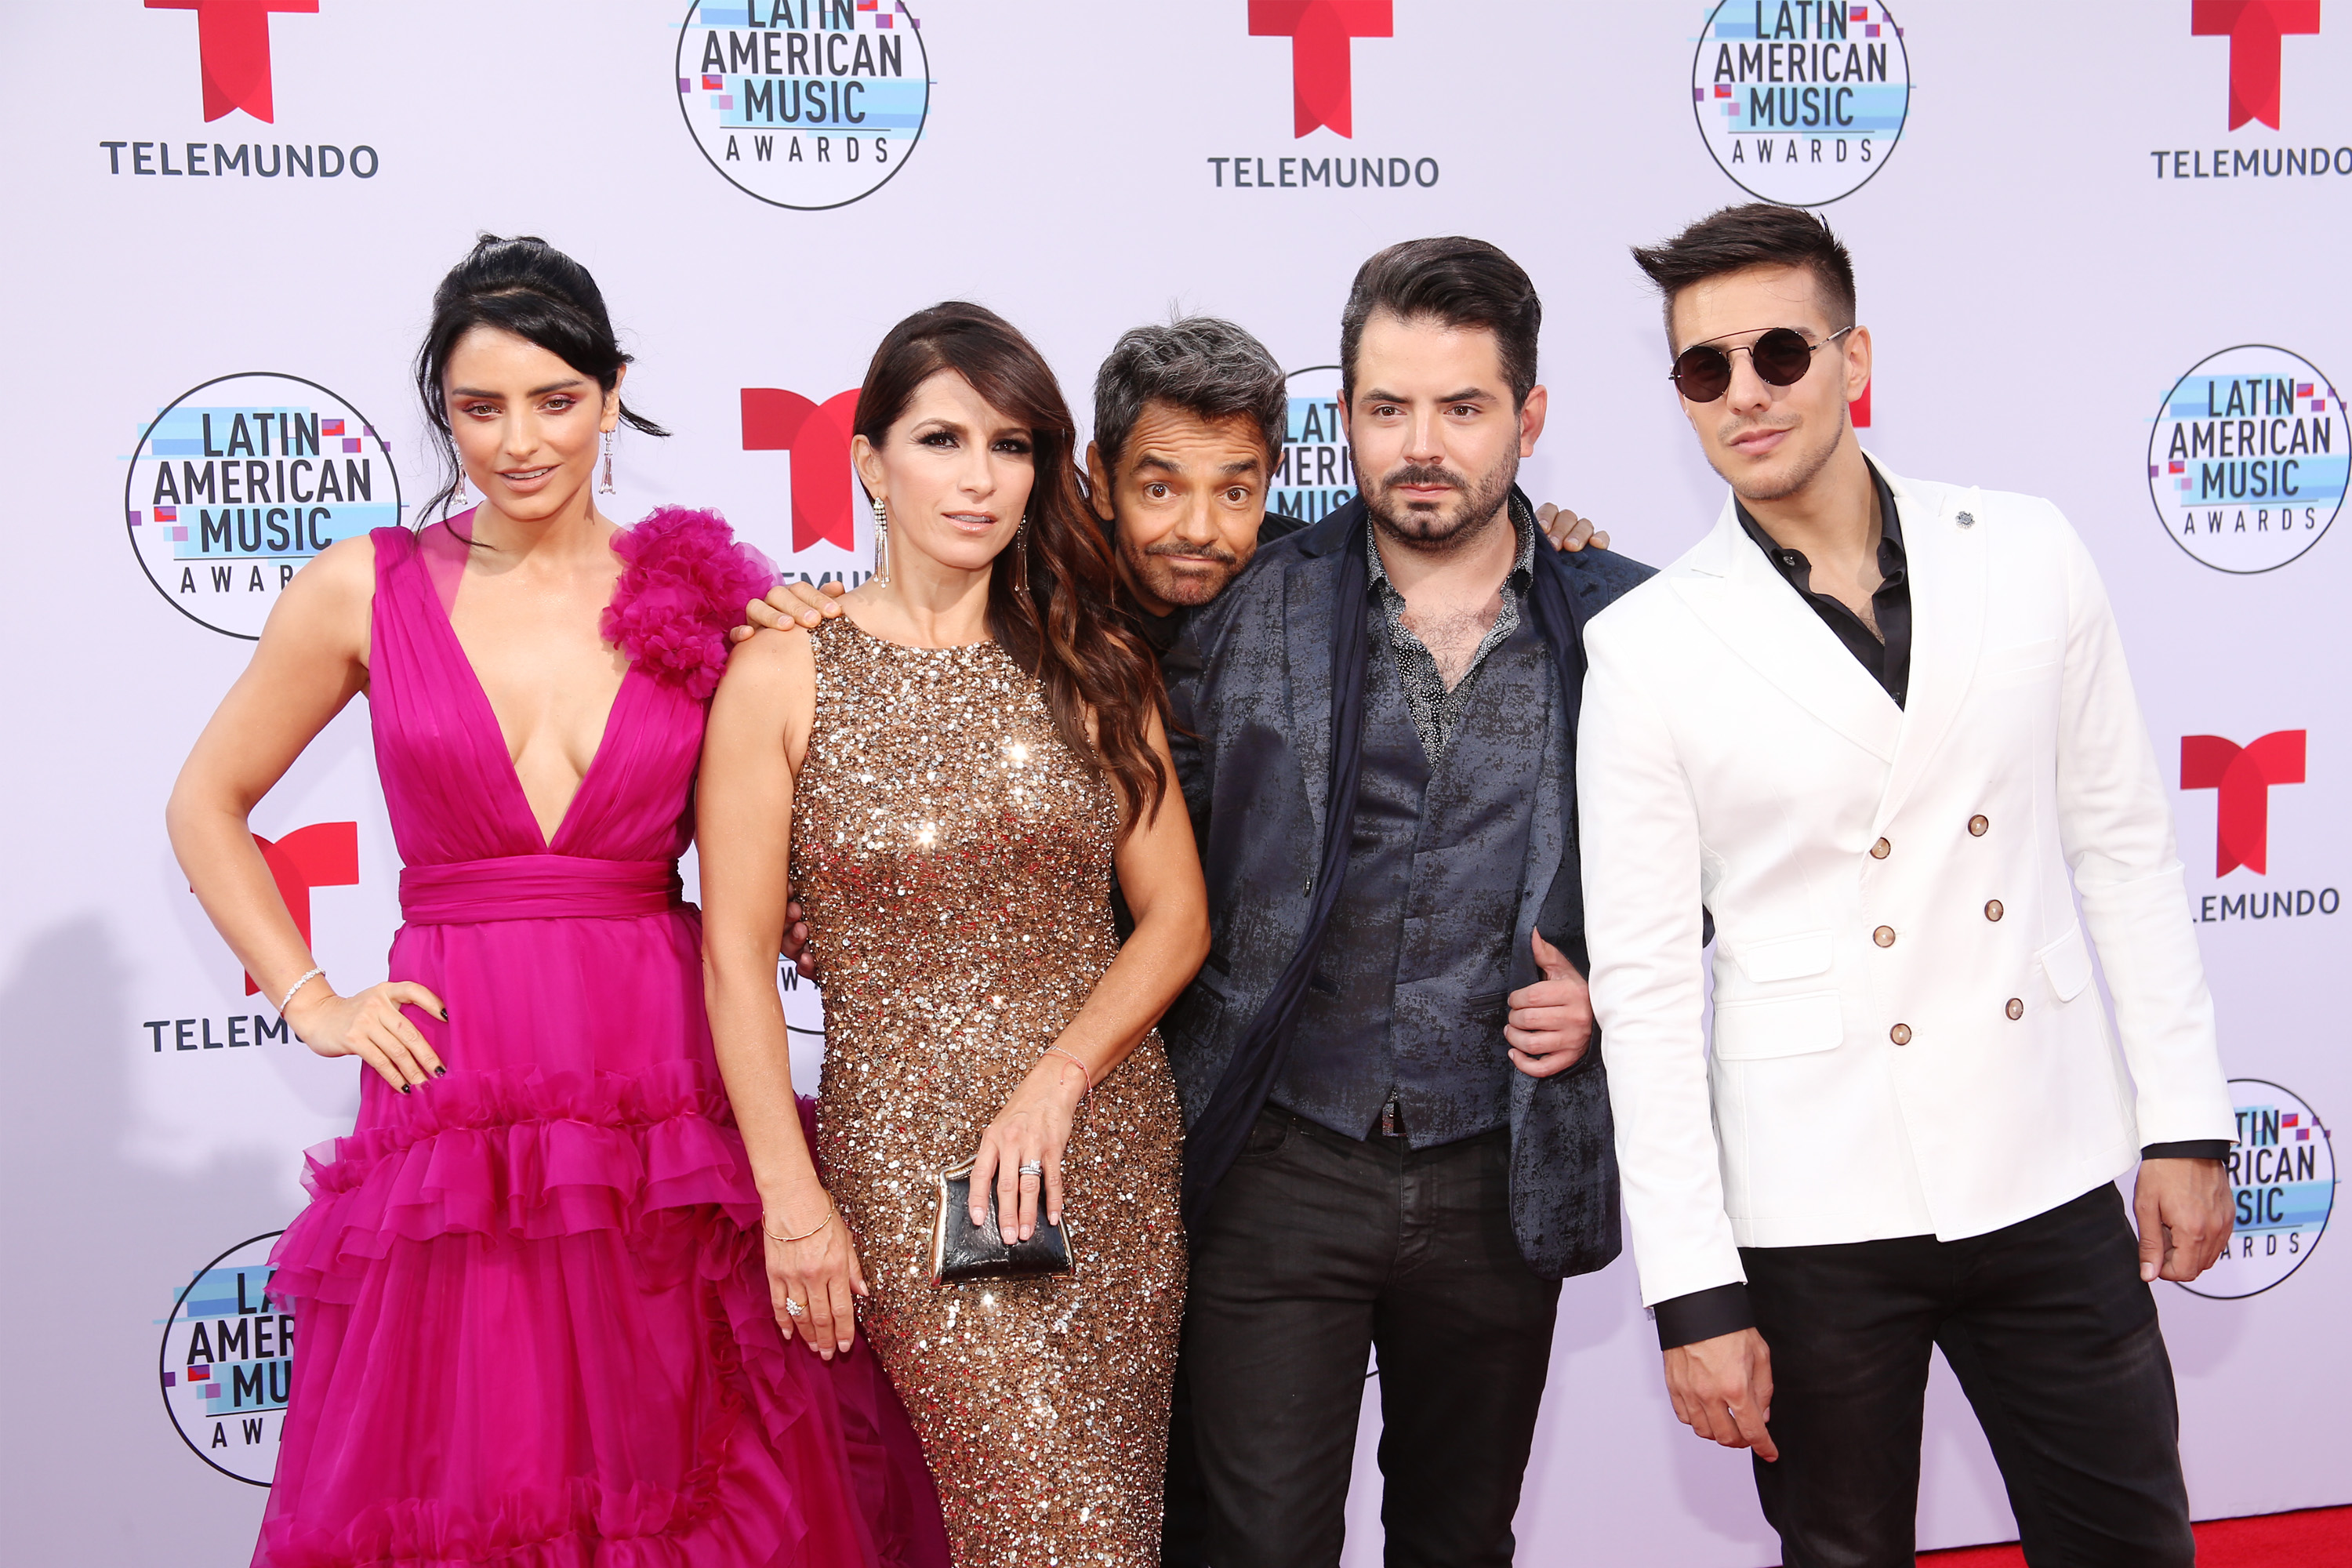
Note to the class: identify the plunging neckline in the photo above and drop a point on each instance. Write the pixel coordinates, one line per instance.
(489, 713)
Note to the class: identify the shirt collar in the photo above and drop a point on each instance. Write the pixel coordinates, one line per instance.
(1523, 570)
(1890, 521)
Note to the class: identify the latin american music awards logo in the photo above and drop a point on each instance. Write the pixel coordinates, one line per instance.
(1801, 102)
(240, 481)
(1316, 475)
(2282, 1186)
(807, 104)
(2246, 461)
(227, 1363)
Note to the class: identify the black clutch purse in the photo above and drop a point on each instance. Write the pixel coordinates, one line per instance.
(961, 1250)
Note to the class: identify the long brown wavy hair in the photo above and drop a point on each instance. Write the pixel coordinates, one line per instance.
(1067, 632)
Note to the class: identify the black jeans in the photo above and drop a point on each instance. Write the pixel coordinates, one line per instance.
(2054, 1340)
(1315, 1250)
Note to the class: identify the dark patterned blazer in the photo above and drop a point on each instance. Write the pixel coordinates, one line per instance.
(1250, 685)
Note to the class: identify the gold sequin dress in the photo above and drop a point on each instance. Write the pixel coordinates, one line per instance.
(954, 859)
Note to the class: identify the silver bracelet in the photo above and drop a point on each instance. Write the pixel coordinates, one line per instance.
(297, 985)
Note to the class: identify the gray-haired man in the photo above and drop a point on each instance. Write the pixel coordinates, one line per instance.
(1191, 420)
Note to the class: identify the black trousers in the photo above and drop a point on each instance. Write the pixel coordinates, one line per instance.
(1317, 1249)
(2054, 1340)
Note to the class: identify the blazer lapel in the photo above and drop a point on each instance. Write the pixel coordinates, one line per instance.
(1946, 563)
(1307, 612)
(1740, 598)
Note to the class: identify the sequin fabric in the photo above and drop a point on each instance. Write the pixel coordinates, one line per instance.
(954, 859)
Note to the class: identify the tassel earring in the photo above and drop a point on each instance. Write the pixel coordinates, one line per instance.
(881, 541)
(607, 488)
(1021, 560)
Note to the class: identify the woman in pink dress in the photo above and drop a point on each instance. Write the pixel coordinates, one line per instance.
(534, 1321)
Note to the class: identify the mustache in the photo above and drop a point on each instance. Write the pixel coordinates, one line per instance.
(1423, 474)
(1183, 550)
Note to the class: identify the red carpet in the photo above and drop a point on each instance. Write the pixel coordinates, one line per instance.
(2313, 1538)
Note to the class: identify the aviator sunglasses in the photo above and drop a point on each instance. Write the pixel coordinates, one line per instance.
(1702, 372)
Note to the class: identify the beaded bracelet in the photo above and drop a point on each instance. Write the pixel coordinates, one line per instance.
(307, 976)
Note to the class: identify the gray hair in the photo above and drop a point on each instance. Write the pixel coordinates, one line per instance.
(1205, 366)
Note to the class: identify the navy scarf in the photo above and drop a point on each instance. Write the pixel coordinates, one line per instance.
(1216, 1138)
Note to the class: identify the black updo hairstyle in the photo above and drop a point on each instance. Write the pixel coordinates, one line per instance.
(527, 287)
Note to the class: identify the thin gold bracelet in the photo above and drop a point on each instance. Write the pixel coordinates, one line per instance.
(829, 1212)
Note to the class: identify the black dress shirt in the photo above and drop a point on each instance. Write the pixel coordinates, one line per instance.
(1437, 708)
(1705, 1314)
(1885, 653)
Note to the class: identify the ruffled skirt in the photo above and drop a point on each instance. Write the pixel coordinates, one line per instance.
(533, 1329)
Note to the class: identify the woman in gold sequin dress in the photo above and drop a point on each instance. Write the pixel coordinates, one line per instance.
(954, 769)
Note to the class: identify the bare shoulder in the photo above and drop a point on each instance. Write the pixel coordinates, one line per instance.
(344, 571)
(772, 653)
(325, 607)
(772, 668)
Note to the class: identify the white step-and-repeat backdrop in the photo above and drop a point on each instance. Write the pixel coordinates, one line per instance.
(2100, 246)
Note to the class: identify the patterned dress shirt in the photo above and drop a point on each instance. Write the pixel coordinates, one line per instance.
(1436, 709)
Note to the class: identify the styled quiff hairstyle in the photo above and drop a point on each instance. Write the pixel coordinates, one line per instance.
(1756, 233)
(1209, 368)
(1051, 592)
(1458, 282)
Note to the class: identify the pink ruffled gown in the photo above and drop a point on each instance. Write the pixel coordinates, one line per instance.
(533, 1322)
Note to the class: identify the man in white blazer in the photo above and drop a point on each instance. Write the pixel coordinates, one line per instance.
(1869, 725)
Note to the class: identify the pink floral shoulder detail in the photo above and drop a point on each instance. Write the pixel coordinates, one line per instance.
(683, 588)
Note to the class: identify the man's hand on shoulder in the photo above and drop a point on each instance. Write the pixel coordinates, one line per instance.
(790, 604)
(1722, 1390)
(1567, 530)
(1550, 1023)
(2183, 1209)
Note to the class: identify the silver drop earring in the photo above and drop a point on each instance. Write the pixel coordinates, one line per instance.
(881, 541)
(607, 488)
(1021, 558)
(457, 490)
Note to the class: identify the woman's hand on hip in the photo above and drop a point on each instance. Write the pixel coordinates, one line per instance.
(370, 1026)
(814, 1283)
(1032, 1131)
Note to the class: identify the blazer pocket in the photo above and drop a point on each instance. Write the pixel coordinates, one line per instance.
(1192, 1021)
(1787, 957)
(1780, 1027)
(1488, 1007)
(2068, 963)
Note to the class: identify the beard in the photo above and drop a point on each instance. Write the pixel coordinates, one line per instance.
(1441, 528)
(1155, 566)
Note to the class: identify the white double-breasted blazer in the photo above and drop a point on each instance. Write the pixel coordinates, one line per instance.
(1906, 1036)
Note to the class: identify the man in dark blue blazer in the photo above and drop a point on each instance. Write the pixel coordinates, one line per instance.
(1398, 1137)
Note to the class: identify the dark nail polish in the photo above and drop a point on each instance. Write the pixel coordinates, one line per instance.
(406, 1087)
(440, 1072)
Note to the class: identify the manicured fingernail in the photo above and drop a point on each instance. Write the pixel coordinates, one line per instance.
(440, 1072)
(406, 1087)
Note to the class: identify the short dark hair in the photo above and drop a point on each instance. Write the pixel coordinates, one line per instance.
(1756, 233)
(1203, 365)
(1460, 282)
